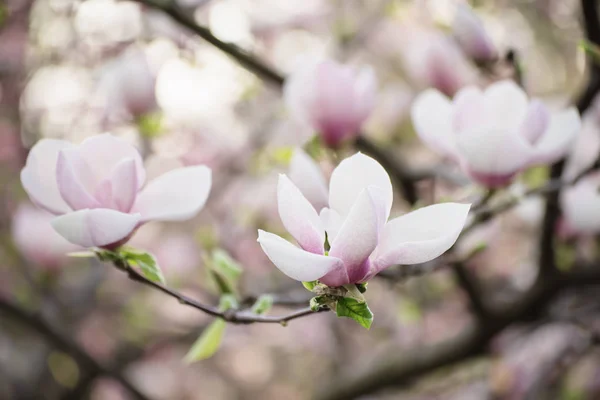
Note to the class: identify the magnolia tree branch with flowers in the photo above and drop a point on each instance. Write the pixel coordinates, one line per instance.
(342, 227)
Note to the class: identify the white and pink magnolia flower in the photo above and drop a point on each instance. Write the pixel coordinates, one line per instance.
(581, 207)
(469, 32)
(333, 99)
(496, 133)
(33, 235)
(363, 241)
(97, 189)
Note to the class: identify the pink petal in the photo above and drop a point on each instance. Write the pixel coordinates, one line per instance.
(299, 217)
(505, 106)
(471, 34)
(95, 228)
(332, 222)
(468, 109)
(559, 136)
(351, 177)
(431, 115)
(68, 172)
(124, 185)
(419, 236)
(103, 152)
(358, 236)
(174, 196)
(295, 262)
(307, 176)
(536, 121)
(39, 175)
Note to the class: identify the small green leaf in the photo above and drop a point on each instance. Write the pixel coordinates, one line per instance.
(354, 293)
(150, 125)
(146, 263)
(591, 49)
(263, 304)
(310, 285)
(227, 302)
(82, 254)
(362, 287)
(283, 155)
(225, 271)
(208, 343)
(348, 307)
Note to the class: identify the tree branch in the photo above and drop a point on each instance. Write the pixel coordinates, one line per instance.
(36, 323)
(231, 316)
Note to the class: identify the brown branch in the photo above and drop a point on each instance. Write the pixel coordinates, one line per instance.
(36, 323)
(231, 316)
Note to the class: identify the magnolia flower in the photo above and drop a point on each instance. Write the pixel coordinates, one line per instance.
(36, 240)
(581, 206)
(470, 34)
(493, 134)
(97, 190)
(307, 176)
(363, 241)
(334, 99)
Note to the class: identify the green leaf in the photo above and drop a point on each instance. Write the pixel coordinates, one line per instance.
(354, 293)
(225, 271)
(146, 263)
(263, 304)
(82, 254)
(208, 343)
(591, 49)
(362, 287)
(348, 307)
(227, 301)
(150, 125)
(310, 285)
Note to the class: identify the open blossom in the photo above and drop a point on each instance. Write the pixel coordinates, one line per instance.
(334, 99)
(97, 189)
(36, 240)
(496, 133)
(362, 240)
(469, 32)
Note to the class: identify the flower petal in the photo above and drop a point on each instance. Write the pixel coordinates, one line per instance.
(174, 196)
(505, 106)
(124, 184)
(299, 217)
(559, 136)
(307, 176)
(70, 170)
(295, 262)
(536, 121)
(431, 115)
(351, 177)
(468, 109)
(103, 152)
(332, 222)
(39, 175)
(491, 151)
(365, 90)
(358, 236)
(95, 228)
(419, 236)
(581, 205)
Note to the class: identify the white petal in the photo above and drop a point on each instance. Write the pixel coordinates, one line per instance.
(559, 136)
(358, 236)
(431, 116)
(581, 205)
(468, 109)
(124, 185)
(95, 228)
(103, 152)
(585, 149)
(505, 106)
(175, 196)
(295, 262)
(420, 236)
(365, 91)
(494, 151)
(536, 121)
(299, 217)
(332, 222)
(69, 169)
(307, 176)
(351, 177)
(39, 175)
(300, 93)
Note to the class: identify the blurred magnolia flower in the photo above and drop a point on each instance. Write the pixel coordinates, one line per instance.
(97, 189)
(334, 99)
(581, 207)
(585, 150)
(356, 226)
(128, 85)
(493, 134)
(36, 240)
(471, 36)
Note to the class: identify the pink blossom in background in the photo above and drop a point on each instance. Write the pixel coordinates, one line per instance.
(469, 32)
(334, 99)
(363, 241)
(581, 207)
(97, 189)
(496, 133)
(35, 238)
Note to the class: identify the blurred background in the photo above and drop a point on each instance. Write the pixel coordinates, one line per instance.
(70, 69)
